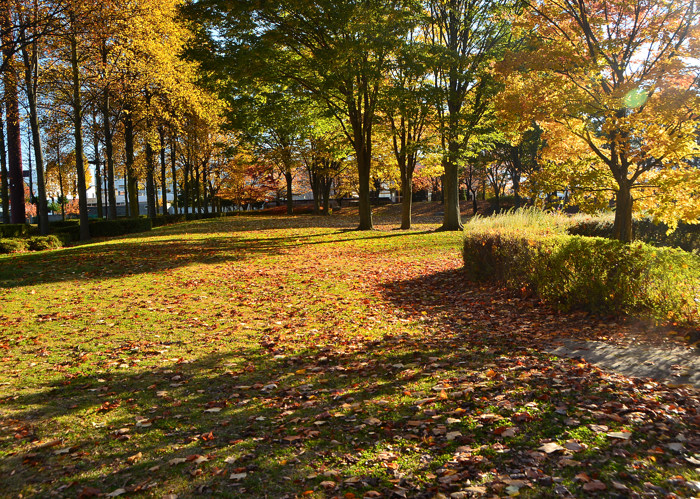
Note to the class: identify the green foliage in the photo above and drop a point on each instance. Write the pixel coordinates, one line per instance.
(108, 228)
(14, 230)
(104, 228)
(588, 273)
(13, 245)
(39, 243)
(686, 236)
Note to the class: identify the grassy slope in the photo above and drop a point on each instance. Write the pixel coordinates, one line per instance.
(276, 360)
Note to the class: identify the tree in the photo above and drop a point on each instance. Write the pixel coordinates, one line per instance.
(467, 36)
(337, 51)
(615, 86)
(408, 107)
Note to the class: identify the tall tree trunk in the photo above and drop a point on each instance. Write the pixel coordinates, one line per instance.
(60, 184)
(4, 192)
(406, 199)
(290, 193)
(30, 77)
(205, 185)
(109, 147)
(78, 134)
(14, 138)
(362, 143)
(173, 166)
(130, 170)
(150, 182)
(98, 174)
(186, 186)
(197, 188)
(164, 187)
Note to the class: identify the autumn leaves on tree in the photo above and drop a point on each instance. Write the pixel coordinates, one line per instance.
(595, 99)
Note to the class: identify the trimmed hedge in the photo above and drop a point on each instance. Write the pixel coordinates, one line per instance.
(14, 230)
(590, 273)
(105, 228)
(686, 236)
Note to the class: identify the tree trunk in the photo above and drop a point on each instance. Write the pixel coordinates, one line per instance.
(30, 66)
(150, 182)
(290, 194)
(109, 153)
(406, 200)
(14, 138)
(205, 185)
(186, 186)
(60, 184)
(622, 229)
(450, 192)
(197, 189)
(173, 166)
(164, 187)
(78, 134)
(4, 192)
(130, 171)
(326, 191)
(98, 175)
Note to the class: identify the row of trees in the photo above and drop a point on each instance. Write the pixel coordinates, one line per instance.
(222, 100)
(606, 92)
(110, 73)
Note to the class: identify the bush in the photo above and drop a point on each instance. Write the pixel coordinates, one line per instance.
(161, 220)
(64, 223)
(686, 236)
(121, 226)
(105, 228)
(39, 243)
(68, 233)
(14, 230)
(13, 245)
(590, 273)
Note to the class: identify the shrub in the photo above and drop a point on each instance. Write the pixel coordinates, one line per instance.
(38, 243)
(590, 273)
(14, 230)
(68, 233)
(161, 220)
(63, 223)
(121, 226)
(13, 245)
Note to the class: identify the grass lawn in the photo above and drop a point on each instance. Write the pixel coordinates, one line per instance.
(245, 357)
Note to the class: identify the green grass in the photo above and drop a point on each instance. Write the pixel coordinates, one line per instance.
(315, 360)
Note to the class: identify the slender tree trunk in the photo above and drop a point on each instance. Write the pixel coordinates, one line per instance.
(173, 166)
(14, 138)
(78, 134)
(164, 187)
(205, 185)
(98, 174)
(150, 182)
(290, 193)
(186, 186)
(130, 170)
(30, 77)
(109, 148)
(4, 192)
(126, 194)
(406, 199)
(197, 188)
(60, 184)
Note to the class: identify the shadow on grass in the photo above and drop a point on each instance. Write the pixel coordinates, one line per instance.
(283, 422)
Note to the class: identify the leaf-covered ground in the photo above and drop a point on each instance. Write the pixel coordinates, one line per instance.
(294, 357)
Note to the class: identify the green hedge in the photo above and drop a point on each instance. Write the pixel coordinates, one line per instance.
(594, 274)
(35, 243)
(13, 245)
(14, 230)
(105, 228)
(686, 236)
